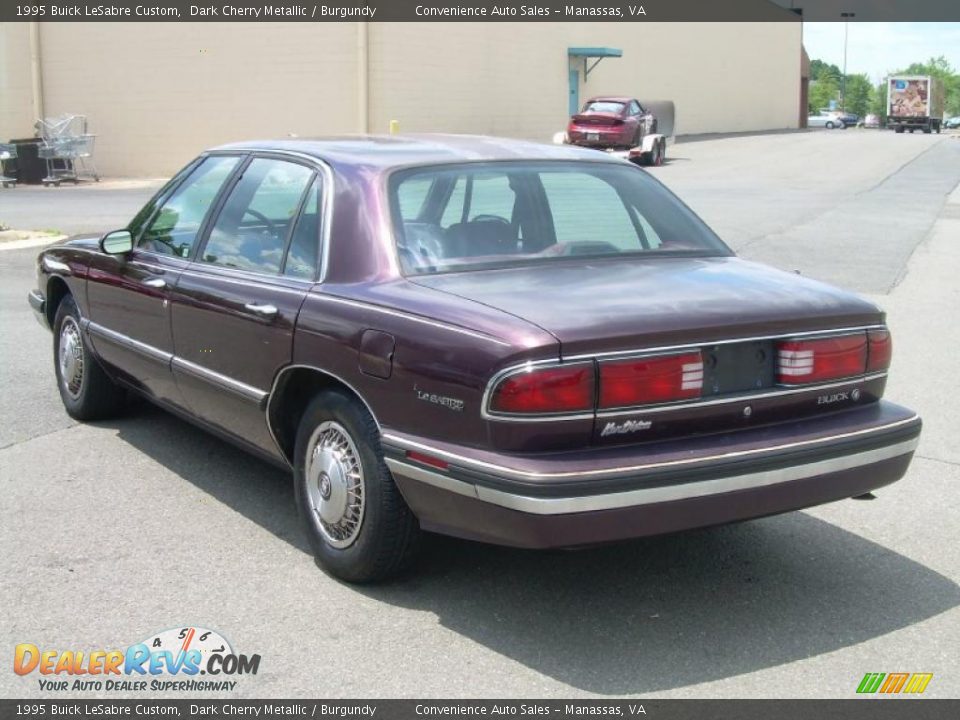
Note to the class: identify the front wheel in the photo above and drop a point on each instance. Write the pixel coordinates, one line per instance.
(85, 389)
(357, 522)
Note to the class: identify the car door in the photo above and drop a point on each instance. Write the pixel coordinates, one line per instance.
(235, 307)
(129, 295)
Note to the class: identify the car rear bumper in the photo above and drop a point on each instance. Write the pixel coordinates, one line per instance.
(614, 494)
(604, 138)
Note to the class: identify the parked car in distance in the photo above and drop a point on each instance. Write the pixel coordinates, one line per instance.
(823, 119)
(611, 122)
(849, 119)
(522, 344)
(952, 123)
(871, 121)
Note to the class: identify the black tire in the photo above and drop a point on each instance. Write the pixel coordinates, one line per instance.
(927, 129)
(898, 129)
(94, 396)
(386, 538)
(830, 125)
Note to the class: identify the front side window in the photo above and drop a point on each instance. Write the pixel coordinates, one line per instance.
(251, 231)
(487, 215)
(173, 230)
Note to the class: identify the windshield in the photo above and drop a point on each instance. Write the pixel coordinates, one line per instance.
(485, 215)
(603, 106)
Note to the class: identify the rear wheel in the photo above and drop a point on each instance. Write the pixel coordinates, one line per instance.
(85, 389)
(358, 524)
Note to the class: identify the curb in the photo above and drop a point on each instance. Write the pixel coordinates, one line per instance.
(31, 242)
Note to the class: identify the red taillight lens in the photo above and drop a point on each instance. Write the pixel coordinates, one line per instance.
(427, 459)
(546, 390)
(879, 350)
(651, 380)
(806, 361)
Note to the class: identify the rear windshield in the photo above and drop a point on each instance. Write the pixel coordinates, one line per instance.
(603, 106)
(488, 215)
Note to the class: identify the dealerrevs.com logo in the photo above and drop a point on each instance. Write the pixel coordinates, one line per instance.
(172, 660)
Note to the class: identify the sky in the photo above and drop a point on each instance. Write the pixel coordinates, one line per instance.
(876, 48)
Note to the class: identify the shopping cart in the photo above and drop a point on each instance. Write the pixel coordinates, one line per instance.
(7, 152)
(67, 148)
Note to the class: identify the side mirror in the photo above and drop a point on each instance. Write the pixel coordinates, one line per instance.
(118, 242)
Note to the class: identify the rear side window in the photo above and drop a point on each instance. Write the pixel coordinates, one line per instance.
(173, 230)
(251, 230)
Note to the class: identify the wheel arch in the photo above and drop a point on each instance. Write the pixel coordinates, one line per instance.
(293, 389)
(57, 290)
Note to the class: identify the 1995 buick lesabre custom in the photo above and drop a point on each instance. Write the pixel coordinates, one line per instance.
(529, 345)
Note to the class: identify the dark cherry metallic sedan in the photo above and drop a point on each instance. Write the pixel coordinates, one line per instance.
(529, 345)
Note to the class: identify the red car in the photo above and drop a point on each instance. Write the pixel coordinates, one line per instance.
(611, 122)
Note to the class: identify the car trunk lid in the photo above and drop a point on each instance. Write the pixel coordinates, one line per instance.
(610, 305)
(597, 119)
(726, 307)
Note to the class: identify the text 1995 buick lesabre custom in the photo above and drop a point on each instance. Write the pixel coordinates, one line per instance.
(528, 345)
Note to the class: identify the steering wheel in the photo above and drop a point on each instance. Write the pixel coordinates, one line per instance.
(490, 218)
(271, 226)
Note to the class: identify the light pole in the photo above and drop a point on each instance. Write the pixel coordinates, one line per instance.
(843, 80)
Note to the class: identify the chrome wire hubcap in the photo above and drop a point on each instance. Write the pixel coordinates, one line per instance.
(71, 358)
(335, 484)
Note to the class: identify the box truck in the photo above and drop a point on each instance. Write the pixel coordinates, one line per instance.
(914, 102)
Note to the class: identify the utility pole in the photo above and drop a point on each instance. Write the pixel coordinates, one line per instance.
(843, 80)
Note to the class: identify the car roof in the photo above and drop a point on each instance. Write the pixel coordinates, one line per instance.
(610, 98)
(389, 151)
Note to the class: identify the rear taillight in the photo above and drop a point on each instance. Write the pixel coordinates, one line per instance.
(651, 380)
(879, 350)
(546, 390)
(816, 360)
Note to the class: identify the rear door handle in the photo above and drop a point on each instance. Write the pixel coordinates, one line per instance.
(262, 310)
(155, 283)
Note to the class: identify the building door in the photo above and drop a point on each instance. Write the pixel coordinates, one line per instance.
(574, 92)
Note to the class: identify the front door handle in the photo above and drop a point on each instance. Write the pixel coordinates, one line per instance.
(262, 310)
(157, 283)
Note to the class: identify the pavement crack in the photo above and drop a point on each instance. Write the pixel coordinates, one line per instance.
(36, 437)
(939, 460)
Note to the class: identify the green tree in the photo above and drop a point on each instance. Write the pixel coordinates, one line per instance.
(822, 91)
(819, 69)
(859, 92)
(878, 100)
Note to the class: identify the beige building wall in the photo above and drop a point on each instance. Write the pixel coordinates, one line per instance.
(16, 82)
(157, 93)
(512, 79)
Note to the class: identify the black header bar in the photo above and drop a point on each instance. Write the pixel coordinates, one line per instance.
(635, 11)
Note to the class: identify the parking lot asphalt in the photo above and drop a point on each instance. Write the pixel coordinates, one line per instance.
(113, 531)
